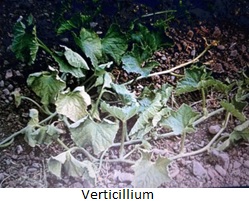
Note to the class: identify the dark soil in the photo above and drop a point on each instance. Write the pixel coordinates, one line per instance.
(23, 166)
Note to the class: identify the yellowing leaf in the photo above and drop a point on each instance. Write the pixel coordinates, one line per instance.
(150, 174)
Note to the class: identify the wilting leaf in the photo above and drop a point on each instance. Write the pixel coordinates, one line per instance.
(124, 94)
(233, 110)
(73, 104)
(46, 85)
(145, 118)
(150, 174)
(17, 97)
(181, 120)
(122, 113)
(240, 132)
(90, 44)
(74, 59)
(105, 80)
(25, 44)
(66, 162)
(114, 43)
(98, 134)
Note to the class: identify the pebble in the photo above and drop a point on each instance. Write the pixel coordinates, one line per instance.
(221, 47)
(8, 74)
(212, 173)
(19, 149)
(1, 83)
(214, 129)
(234, 53)
(1, 176)
(220, 170)
(77, 185)
(246, 164)
(236, 164)
(6, 92)
(175, 172)
(217, 32)
(10, 87)
(199, 170)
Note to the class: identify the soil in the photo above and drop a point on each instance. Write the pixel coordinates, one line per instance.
(24, 166)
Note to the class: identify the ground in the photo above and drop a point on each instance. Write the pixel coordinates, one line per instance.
(23, 166)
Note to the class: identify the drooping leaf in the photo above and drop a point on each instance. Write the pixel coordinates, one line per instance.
(240, 132)
(145, 118)
(73, 104)
(181, 120)
(122, 113)
(36, 134)
(124, 94)
(90, 44)
(98, 134)
(195, 78)
(46, 85)
(150, 174)
(17, 97)
(65, 67)
(74, 59)
(101, 69)
(234, 110)
(72, 167)
(114, 44)
(25, 44)
(105, 80)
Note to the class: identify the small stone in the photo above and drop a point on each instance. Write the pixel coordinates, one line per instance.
(8, 74)
(1, 176)
(233, 53)
(217, 32)
(236, 164)
(175, 172)
(65, 40)
(10, 87)
(6, 92)
(214, 129)
(19, 149)
(220, 170)
(212, 173)
(199, 170)
(221, 47)
(32, 169)
(235, 183)
(1, 83)
(5, 62)
(18, 73)
(163, 58)
(246, 164)
(190, 34)
(77, 185)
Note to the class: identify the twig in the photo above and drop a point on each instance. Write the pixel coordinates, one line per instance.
(207, 146)
(172, 69)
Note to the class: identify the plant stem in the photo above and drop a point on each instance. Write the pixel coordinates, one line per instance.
(42, 45)
(119, 161)
(207, 146)
(203, 118)
(158, 13)
(204, 108)
(183, 137)
(63, 144)
(34, 102)
(172, 69)
(124, 134)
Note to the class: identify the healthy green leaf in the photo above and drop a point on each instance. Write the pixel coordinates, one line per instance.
(98, 134)
(122, 113)
(145, 118)
(233, 110)
(114, 43)
(150, 174)
(181, 121)
(124, 94)
(73, 104)
(25, 44)
(74, 59)
(90, 44)
(73, 167)
(46, 85)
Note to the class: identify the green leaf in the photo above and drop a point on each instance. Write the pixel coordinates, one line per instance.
(234, 110)
(145, 118)
(122, 113)
(150, 174)
(73, 104)
(240, 132)
(90, 44)
(65, 67)
(74, 59)
(195, 78)
(17, 97)
(46, 85)
(100, 70)
(25, 44)
(114, 44)
(66, 162)
(181, 121)
(75, 22)
(105, 80)
(98, 134)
